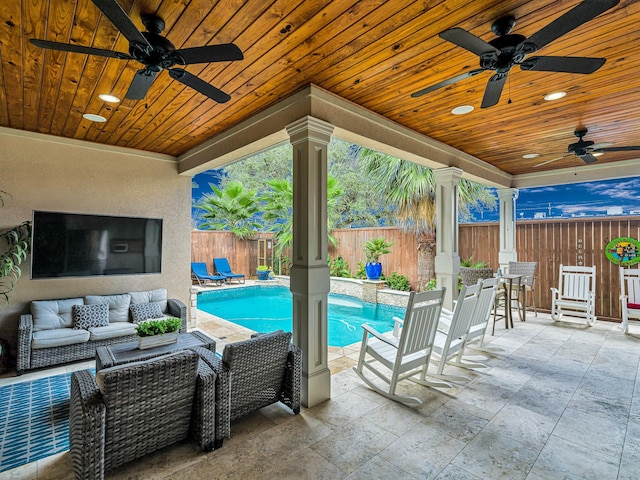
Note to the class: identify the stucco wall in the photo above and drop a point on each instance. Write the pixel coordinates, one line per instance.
(48, 173)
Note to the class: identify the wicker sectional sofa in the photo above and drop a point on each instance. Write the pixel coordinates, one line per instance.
(51, 334)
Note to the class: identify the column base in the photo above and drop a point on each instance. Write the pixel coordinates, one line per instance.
(315, 388)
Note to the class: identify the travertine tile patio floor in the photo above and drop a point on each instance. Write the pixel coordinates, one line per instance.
(558, 401)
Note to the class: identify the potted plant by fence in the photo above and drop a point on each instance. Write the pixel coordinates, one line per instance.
(263, 272)
(373, 249)
(162, 331)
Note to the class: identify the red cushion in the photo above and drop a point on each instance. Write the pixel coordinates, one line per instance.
(633, 305)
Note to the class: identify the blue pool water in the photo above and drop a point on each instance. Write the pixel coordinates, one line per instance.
(268, 308)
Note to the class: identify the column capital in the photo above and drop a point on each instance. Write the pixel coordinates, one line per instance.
(310, 128)
(508, 193)
(449, 173)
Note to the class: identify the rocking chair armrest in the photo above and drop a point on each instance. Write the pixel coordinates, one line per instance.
(555, 292)
(397, 325)
(379, 336)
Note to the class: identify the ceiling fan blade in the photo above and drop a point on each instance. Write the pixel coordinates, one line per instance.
(468, 41)
(617, 149)
(67, 47)
(588, 158)
(494, 90)
(445, 83)
(581, 13)
(200, 85)
(121, 20)
(140, 84)
(226, 52)
(563, 64)
(549, 161)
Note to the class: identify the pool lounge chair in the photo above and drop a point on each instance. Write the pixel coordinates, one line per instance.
(199, 272)
(224, 269)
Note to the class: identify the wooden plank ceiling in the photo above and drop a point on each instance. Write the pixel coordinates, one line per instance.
(373, 53)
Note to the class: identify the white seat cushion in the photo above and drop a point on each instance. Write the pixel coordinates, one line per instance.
(113, 330)
(58, 337)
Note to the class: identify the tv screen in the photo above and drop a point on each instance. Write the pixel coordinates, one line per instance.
(77, 245)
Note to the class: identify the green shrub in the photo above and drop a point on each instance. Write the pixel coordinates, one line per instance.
(339, 267)
(397, 282)
(470, 263)
(431, 285)
(361, 272)
(158, 327)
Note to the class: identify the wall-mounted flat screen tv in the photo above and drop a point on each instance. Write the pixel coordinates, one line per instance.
(78, 245)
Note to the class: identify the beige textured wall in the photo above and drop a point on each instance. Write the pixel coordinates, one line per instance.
(49, 173)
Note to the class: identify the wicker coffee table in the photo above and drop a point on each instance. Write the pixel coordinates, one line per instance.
(113, 355)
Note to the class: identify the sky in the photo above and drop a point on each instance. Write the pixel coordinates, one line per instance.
(587, 199)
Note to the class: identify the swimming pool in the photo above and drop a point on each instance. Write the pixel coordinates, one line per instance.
(269, 308)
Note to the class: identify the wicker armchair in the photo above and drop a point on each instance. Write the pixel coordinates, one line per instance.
(131, 410)
(263, 370)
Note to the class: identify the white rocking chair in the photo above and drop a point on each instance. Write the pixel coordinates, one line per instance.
(482, 314)
(450, 342)
(629, 296)
(406, 356)
(574, 299)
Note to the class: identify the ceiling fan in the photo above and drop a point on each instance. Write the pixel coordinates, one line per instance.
(155, 52)
(507, 50)
(585, 149)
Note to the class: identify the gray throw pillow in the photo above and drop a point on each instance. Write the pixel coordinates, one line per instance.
(144, 311)
(89, 316)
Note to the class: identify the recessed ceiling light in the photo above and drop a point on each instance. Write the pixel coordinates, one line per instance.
(554, 95)
(109, 98)
(94, 118)
(531, 155)
(461, 110)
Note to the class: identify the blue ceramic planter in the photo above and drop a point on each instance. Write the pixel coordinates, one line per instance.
(374, 270)
(263, 274)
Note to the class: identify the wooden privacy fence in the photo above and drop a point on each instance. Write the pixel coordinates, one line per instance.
(244, 255)
(553, 242)
(548, 242)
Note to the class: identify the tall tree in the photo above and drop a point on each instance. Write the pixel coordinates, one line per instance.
(232, 208)
(277, 207)
(359, 205)
(410, 189)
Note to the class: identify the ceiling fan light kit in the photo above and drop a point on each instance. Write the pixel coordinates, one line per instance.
(155, 52)
(507, 50)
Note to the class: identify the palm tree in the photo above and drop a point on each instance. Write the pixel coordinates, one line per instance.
(232, 208)
(278, 211)
(410, 189)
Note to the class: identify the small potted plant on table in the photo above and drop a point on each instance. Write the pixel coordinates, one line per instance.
(373, 249)
(157, 332)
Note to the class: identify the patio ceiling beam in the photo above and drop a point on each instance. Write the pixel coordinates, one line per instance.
(352, 123)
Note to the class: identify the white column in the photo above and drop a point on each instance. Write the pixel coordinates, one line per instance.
(508, 252)
(310, 271)
(447, 261)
